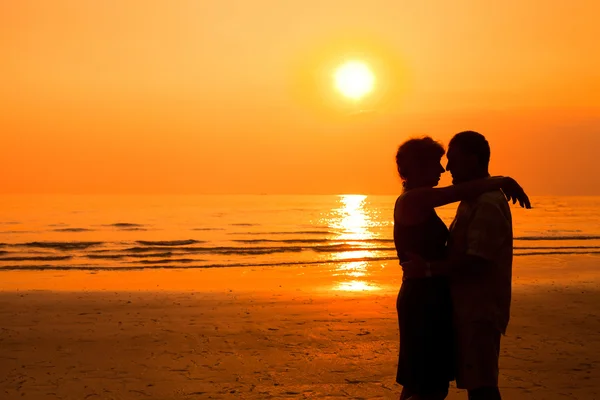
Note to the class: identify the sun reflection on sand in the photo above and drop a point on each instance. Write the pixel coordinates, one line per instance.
(352, 221)
(356, 286)
(355, 269)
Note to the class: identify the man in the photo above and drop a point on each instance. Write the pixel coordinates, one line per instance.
(479, 267)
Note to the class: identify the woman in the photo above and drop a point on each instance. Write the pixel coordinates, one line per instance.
(426, 358)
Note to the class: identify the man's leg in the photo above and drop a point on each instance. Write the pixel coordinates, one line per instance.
(431, 396)
(479, 352)
(486, 393)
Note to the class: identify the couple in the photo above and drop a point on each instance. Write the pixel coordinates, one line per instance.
(454, 303)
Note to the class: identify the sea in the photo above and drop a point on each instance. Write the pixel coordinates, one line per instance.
(118, 232)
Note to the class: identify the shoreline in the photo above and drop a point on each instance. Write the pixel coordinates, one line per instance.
(382, 277)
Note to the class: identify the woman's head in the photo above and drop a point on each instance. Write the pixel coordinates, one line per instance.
(419, 162)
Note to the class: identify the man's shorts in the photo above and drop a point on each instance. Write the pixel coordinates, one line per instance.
(478, 351)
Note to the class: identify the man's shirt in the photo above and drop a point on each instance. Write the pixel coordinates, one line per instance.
(483, 228)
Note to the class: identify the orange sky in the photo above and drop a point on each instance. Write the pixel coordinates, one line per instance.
(228, 96)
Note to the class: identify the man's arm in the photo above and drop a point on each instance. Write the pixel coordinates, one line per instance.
(424, 199)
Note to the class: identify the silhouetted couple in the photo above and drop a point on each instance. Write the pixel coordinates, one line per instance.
(454, 303)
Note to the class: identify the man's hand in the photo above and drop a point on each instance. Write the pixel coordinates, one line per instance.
(417, 267)
(513, 191)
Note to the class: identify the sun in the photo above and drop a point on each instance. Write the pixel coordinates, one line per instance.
(354, 79)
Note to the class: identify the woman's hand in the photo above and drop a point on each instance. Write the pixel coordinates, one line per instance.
(417, 267)
(513, 191)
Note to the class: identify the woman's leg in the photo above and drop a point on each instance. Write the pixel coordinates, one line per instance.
(430, 396)
(437, 392)
(405, 394)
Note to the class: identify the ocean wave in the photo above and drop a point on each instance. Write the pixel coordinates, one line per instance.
(554, 247)
(564, 237)
(61, 245)
(249, 251)
(120, 256)
(161, 248)
(106, 256)
(72, 230)
(127, 226)
(219, 249)
(176, 263)
(122, 225)
(154, 266)
(345, 247)
(281, 240)
(542, 253)
(224, 250)
(168, 260)
(285, 233)
(145, 255)
(242, 250)
(372, 240)
(39, 258)
(166, 243)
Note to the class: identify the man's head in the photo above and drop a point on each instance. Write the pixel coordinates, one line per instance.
(468, 156)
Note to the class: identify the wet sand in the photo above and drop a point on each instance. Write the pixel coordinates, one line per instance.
(272, 333)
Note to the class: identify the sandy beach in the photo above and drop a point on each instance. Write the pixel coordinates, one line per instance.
(271, 333)
(208, 199)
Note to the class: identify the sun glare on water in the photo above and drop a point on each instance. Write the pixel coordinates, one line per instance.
(354, 79)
